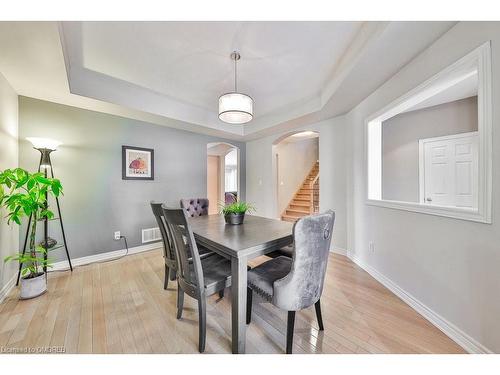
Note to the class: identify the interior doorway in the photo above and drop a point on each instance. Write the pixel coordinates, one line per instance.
(223, 174)
(296, 175)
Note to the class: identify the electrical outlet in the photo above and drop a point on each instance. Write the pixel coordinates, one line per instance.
(117, 235)
(371, 246)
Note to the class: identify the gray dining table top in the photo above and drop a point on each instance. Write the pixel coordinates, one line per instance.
(256, 236)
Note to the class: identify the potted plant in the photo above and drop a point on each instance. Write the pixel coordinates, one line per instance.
(234, 213)
(25, 194)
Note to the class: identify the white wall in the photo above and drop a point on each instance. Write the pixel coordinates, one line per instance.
(295, 160)
(9, 155)
(451, 266)
(261, 178)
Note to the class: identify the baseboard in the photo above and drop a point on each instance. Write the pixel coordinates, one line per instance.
(62, 265)
(453, 332)
(4, 292)
(338, 250)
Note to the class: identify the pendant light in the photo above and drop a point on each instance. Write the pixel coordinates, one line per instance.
(235, 107)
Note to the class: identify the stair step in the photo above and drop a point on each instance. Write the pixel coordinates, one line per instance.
(293, 211)
(300, 205)
(305, 197)
(289, 218)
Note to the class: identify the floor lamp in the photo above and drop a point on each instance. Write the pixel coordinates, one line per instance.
(46, 146)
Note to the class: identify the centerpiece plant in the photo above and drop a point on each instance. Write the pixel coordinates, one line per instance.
(24, 194)
(234, 213)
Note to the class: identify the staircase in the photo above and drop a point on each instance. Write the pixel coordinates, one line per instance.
(306, 199)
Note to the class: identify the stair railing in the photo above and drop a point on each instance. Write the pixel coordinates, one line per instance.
(312, 184)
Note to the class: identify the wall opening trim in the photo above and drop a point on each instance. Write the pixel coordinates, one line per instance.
(476, 62)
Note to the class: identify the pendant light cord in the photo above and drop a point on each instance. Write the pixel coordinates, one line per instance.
(235, 74)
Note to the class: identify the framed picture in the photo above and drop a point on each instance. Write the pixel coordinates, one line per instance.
(138, 163)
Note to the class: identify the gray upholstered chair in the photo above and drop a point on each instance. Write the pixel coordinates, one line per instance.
(168, 250)
(198, 277)
(195, 206)
(296, 283)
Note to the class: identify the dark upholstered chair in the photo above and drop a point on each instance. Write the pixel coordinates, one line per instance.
(296, 283)
(168, 250)
(198, 278)
(230, 197)
(195, 206)
(286, 251)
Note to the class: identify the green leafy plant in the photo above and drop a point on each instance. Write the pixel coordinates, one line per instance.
(24, 194)
(235, 208)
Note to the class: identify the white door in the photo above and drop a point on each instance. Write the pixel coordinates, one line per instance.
(449, 170)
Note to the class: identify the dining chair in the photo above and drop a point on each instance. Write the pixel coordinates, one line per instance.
(296, 283)
(195, 206)
(286, 251)
(168, 250)
(200, 277)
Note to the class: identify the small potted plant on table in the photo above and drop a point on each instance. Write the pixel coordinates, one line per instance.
(234, 213)
(25, 194)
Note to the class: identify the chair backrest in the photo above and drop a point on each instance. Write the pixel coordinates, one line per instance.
(303, 286)
(229, 197)
(195, 206)
(189, 272)
(168, 250)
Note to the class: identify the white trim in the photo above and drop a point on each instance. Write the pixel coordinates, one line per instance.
(8, 287)
(449, 329)
(62, 265)
(479, 60)
(338, 250)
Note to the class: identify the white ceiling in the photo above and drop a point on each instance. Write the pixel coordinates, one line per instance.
(172, 73)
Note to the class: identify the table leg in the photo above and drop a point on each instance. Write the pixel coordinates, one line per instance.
(239, 301)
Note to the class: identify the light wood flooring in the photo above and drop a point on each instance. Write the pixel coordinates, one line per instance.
(121, 307)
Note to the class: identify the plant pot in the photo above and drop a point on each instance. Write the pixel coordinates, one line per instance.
(234, 219)
(33, 287)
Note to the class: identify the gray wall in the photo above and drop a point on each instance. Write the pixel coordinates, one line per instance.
(9, 234)
(400, 136)
(96, 200)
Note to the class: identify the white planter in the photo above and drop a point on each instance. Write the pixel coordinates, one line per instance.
(31, 288)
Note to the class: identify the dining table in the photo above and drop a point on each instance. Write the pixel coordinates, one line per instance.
(256, 236)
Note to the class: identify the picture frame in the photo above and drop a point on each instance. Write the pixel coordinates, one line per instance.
(137, 163)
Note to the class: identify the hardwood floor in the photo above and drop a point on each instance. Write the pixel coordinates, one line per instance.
(121, 307)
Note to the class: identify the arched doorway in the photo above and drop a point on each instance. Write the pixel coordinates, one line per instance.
(223, 174)
(295, 167)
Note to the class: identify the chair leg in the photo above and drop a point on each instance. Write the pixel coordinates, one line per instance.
(202, 324)
(180, 301)
(317, 306)
(173, 274)
(290, 324)
(249, 305)
(165, 283)
(221, 293)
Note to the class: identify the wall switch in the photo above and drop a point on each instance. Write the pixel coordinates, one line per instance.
(117, 235)
(371, 246)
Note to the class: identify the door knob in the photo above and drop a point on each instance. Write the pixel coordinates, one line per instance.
(428, 199)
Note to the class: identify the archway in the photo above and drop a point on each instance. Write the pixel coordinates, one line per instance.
(223, 174)
(295, 166)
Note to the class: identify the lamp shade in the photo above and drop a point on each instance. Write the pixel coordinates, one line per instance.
(235, 108)
(44, 143)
